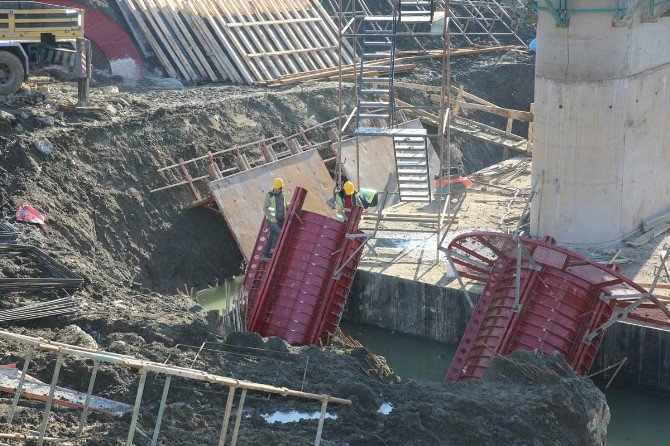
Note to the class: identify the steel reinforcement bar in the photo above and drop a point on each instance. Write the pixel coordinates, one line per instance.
(145, 367)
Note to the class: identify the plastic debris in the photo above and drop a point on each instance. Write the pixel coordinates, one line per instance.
(28, 214)
(293, 416)
(43, 145)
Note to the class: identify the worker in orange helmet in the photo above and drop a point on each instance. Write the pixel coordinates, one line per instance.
(274, 208)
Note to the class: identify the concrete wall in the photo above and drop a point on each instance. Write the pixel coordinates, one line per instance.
(442, 314)
(408, 306)
(602, 114)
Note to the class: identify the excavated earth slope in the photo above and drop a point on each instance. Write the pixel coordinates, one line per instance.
(139, 253)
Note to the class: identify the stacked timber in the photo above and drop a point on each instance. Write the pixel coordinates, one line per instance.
(235, 40)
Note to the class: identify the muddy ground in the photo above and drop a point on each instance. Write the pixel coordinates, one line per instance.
(141, 256)
(523, 399)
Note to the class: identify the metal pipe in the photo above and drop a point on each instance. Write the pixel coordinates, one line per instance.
(238, 417)
(52, 391)
(154, 367)
(226, 417)
(22, 380)
(136, 408)
(89, 393)
(161, 409)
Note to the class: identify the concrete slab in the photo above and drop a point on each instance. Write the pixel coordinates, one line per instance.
(377, 162)
(240, 196)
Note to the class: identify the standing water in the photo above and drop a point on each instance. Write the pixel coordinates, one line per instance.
(638, 419)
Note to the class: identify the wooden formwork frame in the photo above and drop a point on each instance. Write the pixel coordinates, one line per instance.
(236, 40)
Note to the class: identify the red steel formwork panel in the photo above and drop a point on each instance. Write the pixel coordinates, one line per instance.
(114, 42)
(560, 302)
(295, 295)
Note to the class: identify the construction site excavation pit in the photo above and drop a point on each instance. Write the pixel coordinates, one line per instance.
(151, 198)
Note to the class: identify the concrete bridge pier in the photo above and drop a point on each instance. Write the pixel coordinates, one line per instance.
(602, 124)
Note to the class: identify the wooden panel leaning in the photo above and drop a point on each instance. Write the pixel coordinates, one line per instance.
(237, 40)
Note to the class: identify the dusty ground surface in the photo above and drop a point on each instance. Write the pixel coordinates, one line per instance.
(141, 256)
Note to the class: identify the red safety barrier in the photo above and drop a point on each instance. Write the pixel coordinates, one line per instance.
(566, 302)
(115, 43)
(296, 295)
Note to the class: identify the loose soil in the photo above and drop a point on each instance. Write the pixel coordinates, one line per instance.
(141, 256)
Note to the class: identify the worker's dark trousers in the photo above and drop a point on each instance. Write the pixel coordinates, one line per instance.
(275, 229)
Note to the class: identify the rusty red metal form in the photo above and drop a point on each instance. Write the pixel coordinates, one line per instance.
(564, 304)
(299, 295)
(114, 42)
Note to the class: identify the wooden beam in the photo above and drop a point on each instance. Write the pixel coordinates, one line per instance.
(210, 46)
(285, 52)
(158, 50)
(649, 235)
(290, 39)
(274, 22)
(228, 39)
(494, 110)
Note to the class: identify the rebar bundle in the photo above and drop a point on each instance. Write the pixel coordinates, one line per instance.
(7, 234)
(36, 311)
(59, 276)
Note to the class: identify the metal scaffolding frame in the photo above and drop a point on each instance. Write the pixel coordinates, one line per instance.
(488, 21)
(350, 23)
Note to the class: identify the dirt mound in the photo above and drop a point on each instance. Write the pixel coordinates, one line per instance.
(522, 399)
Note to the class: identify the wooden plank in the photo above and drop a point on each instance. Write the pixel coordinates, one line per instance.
(243, 45)
(182, 40)
(306, 36)
(494, 109)
(222, 40)
(204, 37)
(158, 28)
(270, 62)
(158, 50)
(291, 40)
(138, 34)
(264, 41)
(277, 35)
(174, 49)
(649, 235)
(274, 22)
(332, 31)
(230, 43)
(324, 32)
(190, 43)
(652, 222)
(240, 196)
(296, 51)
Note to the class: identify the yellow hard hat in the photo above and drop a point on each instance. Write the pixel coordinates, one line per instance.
(349, 188)
(278, 183)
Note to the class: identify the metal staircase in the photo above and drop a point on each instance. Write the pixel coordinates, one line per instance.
(416, 11)
(411, 158)
(375, 88)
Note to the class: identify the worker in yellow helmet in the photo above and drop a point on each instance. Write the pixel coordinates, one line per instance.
(274, 208)
(348, 197)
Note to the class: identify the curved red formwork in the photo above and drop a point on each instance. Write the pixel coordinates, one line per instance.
(560, 302)
(115, 43)
(295, 296)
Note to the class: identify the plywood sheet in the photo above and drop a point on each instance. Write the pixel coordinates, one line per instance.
(377, 163)
(240, 196)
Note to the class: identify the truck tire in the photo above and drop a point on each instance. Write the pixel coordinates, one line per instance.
(11, 73)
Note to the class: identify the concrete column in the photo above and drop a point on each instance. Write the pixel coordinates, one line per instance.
(602, 125)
